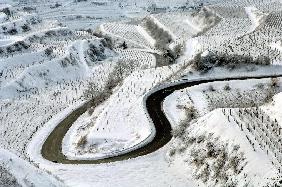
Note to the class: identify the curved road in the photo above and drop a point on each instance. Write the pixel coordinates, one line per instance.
(52, 147)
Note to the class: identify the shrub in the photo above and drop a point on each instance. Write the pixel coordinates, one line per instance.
(161, 36)
(12, 31)
(6, 11)
(211, 88)
(48, 51)
(93, 90)
(6, 178)
(211, 158)
(180, 129)
(56, 5)
(207, 62)
(200, 65)
(82, 142)
(190, 113)
(227, 87)
(90, 110)
(171, 152)
(25, 28)
(274, 82)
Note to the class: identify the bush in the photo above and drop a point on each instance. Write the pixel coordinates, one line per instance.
(180, 129)
(25, 28)
(93, 91)
(96, 53)
(12, 31)
(190, 113)
(6, 178)
(207, 62)
(90, 110)
(107, 42)
(211, 158)
(227, 87)
(6, 11)
(274, 83)
(201, 65)
(211, 88)
(161, 36)
(48, 51)
(82, 142)
(56, 5)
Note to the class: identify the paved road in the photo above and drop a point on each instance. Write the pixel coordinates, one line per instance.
(52, 147)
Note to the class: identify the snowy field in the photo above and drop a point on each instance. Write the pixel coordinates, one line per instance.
(57, 55)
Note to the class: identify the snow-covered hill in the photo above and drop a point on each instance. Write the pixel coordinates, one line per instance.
(57, 55)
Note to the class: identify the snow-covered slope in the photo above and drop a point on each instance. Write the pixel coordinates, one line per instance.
(24, 173)
(56, 55)
(219, 153)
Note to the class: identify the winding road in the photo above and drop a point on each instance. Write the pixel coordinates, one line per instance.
(52, 147)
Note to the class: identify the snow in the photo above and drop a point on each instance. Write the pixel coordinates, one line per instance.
(216, 123)
(38, 90)
(6, 42)
(53, 70)
(110, 126)
(195, 27)
(257, 17)
(132, 34)
(227, 131)
(160, 25)
(3, 17)
(192, 48)
(6, 4)
(25, 173)
(151, 170)
(273, 109)
(196, 96)
(144, 33)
